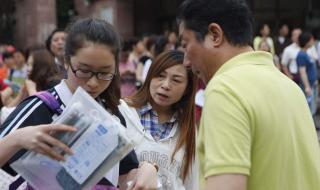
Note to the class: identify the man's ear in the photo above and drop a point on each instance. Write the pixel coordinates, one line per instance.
(215, 33)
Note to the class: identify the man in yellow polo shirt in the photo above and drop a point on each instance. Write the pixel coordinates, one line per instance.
(256, 129)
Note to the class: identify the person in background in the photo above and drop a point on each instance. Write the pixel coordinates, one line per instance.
(172, 41)
(288, 60)
(42, 71)
(264, 34)
(6, 94)
(137, 51)
(42, 75)
(10, 64)
(19, 73)
(308, 71)
(146, 60)
(55, 43)
(313, 51)
(3, 68)
(252, 114)
(264, 46)
(145, 39)
(127, 72)
(282, 41)
(158, 45)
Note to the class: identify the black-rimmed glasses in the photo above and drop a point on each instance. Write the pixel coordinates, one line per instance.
(86, 74)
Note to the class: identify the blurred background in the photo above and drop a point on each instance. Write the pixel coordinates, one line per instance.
(27, 23)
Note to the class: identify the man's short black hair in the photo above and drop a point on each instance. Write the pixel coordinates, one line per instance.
(304, 38)
(233, 16)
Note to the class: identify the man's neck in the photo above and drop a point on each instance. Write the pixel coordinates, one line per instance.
(227, 53)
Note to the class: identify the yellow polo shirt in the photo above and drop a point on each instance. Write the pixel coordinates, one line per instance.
(257, 122)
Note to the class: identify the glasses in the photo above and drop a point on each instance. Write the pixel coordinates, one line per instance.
(85, 74)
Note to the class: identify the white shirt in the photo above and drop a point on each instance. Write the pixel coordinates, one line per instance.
(313, 54)
(289, 56)
(147, 149)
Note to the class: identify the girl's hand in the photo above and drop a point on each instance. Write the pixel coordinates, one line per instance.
(38, 139)
(145, 178)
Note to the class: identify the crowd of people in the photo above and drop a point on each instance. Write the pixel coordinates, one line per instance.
(208, 111)
(296, 55)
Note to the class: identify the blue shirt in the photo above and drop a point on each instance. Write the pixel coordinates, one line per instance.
(150, 122)
(303, 60)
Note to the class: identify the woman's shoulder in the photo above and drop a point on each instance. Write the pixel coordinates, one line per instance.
(125, 103)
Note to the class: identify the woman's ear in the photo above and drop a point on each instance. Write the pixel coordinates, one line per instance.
(215, 34)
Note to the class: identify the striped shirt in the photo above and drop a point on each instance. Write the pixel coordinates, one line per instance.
(150, 120)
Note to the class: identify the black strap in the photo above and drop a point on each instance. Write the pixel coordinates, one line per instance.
(120, 116)
(16, 184)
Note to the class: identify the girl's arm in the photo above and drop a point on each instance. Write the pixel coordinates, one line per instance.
(142, 178)
(35, 138)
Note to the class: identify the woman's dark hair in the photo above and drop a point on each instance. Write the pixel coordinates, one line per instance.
(260, 27)
(233, 16)
(184, 107)
(44, 71)
(7, 55)
(151, 42)
(49, 39)
(160, 45)
(304, 38)
(133, 42)
(99, 32)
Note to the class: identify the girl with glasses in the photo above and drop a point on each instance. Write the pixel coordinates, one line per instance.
(91, 58)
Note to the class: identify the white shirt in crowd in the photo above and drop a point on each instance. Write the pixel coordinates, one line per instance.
(290, 54)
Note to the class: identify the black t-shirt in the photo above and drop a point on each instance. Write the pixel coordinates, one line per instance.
(33, 111)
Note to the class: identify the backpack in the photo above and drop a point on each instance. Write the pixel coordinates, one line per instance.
(50, 101)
